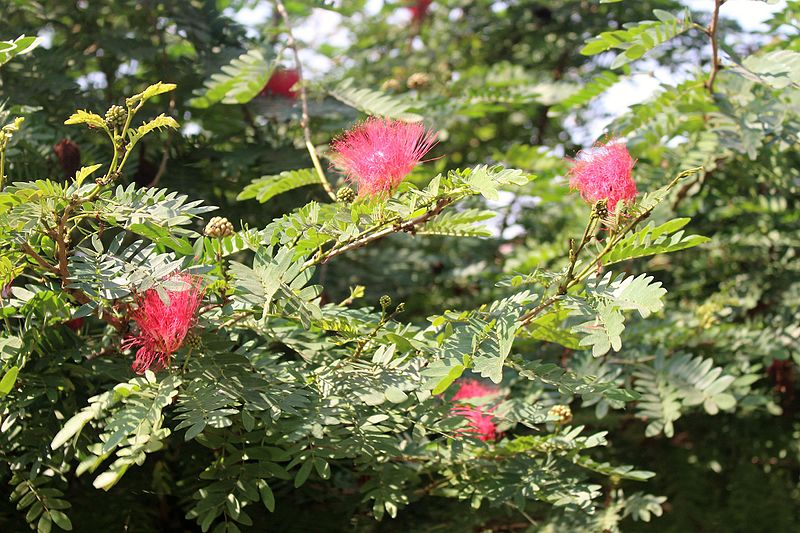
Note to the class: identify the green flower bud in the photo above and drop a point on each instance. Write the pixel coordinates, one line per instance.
(562, 414)
(116, 117)
(345, 195)
(219, 227)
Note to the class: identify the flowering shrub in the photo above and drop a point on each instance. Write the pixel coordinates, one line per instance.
(206, 328)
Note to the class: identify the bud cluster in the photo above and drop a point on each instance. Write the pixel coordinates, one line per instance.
(116, 117)
(193, 340)
(418, 80)
(562, 414)
(345, 195)
(219, 227)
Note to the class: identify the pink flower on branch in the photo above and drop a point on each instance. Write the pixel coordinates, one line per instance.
(479, 417)
(603, 172)
(163, 325)
(379, 153)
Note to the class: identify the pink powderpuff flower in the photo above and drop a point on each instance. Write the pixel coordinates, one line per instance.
(479, 417)
(163, 326)
(603, 172)
(379, 153)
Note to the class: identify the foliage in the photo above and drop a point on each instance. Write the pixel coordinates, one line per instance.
(315, 389)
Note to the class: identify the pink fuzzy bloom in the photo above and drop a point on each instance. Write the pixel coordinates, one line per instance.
(603, 172)
(479, 417)
(163, 326)
(470, 388)
(379, 153)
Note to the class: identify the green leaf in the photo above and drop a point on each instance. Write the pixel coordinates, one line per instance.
(267, 497)
(93, 120)
(21, 45)
(395, 395)
(452, 373)
(61, 520)
(45, 524)
(374, 102)
(238, 83)
(550, 327)
(587, 92)
(778, 69)
(302, 473)
(651, 240)
(8, 381)
(626, 293)
(84, 173)
(638, 38)
(73, 426)
(161, 121)
(265, 188)
(458, 224)
(151, 91)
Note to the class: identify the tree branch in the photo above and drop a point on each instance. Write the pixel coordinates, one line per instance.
(407, 226)
(712, 33)
(304, 122)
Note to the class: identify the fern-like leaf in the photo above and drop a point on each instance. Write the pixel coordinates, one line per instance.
(93, 120)
(265, 188)
(458, 224)
(161, 121)
(238, 83)
(587, 93)
(151, 91)
(637, 39)
(374, 102)
(651, 240)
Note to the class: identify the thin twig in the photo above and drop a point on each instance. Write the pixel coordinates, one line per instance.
(712, 33)
(304, 122)
(408, 226)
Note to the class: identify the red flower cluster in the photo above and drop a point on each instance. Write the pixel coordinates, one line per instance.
(479, 418)
(603, 172)
(379, 153)
(419, 10)
(163, 326)
(281, 83)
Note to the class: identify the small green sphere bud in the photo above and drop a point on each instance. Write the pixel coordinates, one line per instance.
(219, 227)
(193, 340)
(345, 195)
(116, 117)
(601, 209)
(562, 414)
(385, 301)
